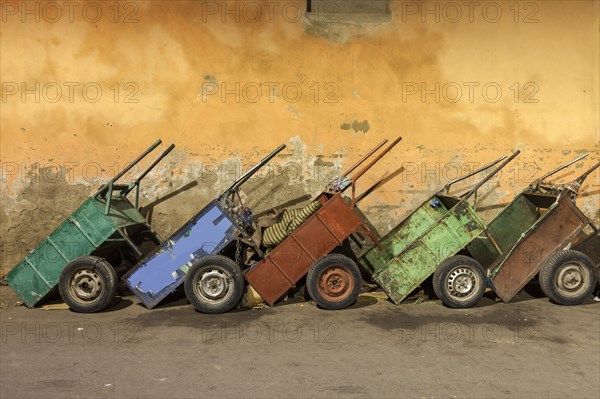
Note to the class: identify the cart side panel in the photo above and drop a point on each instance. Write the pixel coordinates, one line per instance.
(327, 228)
(516, 218)
(122, 213)
(400, 276)
(403, 234)
(506, 229)
(27, 283)
(90, 218)
(36, 275)
(270, 278)
(338, 218)
(290, 261)
(447, 237)
(164, 269)
(553, 232)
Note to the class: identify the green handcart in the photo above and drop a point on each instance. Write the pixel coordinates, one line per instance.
(438, 229)
(104, 237)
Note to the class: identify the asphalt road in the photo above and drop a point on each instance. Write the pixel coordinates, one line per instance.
(528, 348)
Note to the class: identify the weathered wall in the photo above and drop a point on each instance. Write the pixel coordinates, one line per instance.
(462, 84)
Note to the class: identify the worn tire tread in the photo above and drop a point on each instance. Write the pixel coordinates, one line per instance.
(549, 268)
(107, 295)
(238, 284)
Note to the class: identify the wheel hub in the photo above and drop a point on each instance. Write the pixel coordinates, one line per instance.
(461, 282)
(335, 284)
(570, 278)
(213, 284)
(86, 284)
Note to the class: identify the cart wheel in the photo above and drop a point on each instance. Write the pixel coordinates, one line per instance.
(459, 281)
(88, 284)
(568, 277)
(333, 282)
(214, 284)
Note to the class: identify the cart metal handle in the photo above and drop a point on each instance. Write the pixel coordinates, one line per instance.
(366, 168)
(572, 186)
(127, 168)
(243, 178)
(562, 167)
(375, 160)
(446, 188)
(488, 177)
(584, 176)
(136, 183)
(160, 158)
(357, 164)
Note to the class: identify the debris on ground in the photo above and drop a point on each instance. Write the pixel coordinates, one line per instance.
(55, 306)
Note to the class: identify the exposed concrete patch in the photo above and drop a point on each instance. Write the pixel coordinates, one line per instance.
(36, 211)
(356, 126)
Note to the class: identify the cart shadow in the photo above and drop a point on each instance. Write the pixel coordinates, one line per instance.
(381, 182)
(119, 304)
(148, 210)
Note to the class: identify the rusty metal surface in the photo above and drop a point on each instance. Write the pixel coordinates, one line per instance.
(403, 234)
(554, 231)
(290, 261)
(335, 284)
(326, 229)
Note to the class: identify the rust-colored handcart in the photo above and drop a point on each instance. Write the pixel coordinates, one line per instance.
(332, 279)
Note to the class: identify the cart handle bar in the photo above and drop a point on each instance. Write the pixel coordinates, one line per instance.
(581, 178)
(363, 159)
(164, 154)
(243, 178)
(128, 167)
(488, 177)
(366, 168)
(562, 167)
(446, 188)
(375, 160)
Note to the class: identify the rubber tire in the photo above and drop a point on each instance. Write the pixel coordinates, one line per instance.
(550, 268)
(441, 276)
(234, 272)
(312, 281)
(106, 272)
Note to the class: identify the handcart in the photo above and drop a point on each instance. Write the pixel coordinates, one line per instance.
(332, 279)
(439, 229)
(105, 235)
(214, 238)
(541, 231)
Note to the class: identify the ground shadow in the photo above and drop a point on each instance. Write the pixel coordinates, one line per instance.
(176, 298)
(119, 304)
